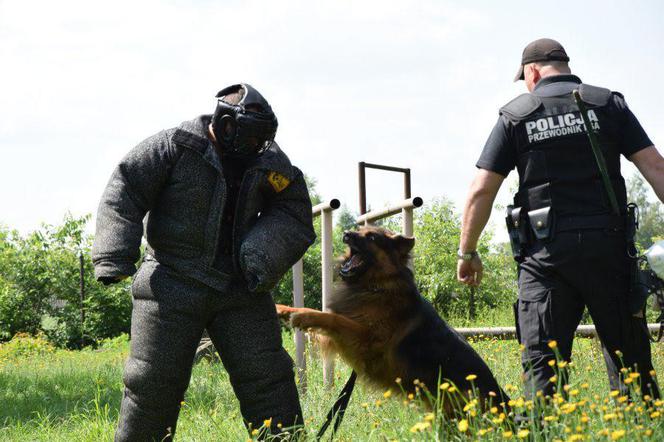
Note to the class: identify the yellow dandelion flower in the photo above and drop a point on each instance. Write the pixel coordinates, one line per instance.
(420, 426)
(575, 437)
(585, 385)
(398, 380)
(522, 434)
(507, 434)
(378, 402)
(628, 381)
(429, 417)
(411, 396)
(634, 375)
(444, 386)
(568, 408)
(609, 416)
(364, 404)
(614, 393)
(267, 422)
(494, 410)
(653, 373)
(452, 389)
(562, 364)
(648, 432)
(574, 392)
(416, 382)
(254, 432)
(551, 362)
(471, 377)
(617, 434)
(387, 394)
(552, 344)
(553, 379)
(463, 425)
(655, 414)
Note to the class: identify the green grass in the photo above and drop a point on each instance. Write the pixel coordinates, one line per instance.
(58, 395)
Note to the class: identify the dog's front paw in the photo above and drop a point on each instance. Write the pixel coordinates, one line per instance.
(300, 320)
(284, 311)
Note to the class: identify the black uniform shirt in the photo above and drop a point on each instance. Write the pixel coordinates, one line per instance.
(499, 153)
(233, 170)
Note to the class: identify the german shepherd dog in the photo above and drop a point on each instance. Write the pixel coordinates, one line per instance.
(385, 330)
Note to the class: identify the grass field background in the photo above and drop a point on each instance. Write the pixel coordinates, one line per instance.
(59, 395)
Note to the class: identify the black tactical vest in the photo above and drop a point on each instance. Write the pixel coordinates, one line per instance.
(555, 162)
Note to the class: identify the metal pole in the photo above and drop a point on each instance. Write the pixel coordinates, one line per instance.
(510, 332)
(407, 228)
(326, 257)
(363, 187)
(298, 301)
(406, 184)
(81, 276)
(375, 215)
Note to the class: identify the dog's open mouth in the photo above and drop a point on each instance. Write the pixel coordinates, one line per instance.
(354, 265)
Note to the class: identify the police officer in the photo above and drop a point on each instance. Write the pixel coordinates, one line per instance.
(227, 216)
(573, 249)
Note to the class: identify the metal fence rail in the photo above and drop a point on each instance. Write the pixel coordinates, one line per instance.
(587, 331)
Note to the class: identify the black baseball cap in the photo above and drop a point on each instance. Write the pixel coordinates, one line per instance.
(543, 49)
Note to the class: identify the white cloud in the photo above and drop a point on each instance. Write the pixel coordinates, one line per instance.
(412, 84)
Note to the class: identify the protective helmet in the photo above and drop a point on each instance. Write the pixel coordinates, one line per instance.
(245, 129)
(655, 257)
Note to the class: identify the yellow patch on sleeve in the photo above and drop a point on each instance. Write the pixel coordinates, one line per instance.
(278, 181)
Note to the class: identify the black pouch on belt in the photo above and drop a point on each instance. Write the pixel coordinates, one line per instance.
(541, 223)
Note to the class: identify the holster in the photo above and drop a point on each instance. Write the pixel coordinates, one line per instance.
(639, 278)
(514, 228)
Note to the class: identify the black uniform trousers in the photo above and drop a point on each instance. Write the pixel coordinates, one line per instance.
(169, 315)
(557, 280)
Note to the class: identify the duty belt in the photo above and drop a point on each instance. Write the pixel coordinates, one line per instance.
(610, 222)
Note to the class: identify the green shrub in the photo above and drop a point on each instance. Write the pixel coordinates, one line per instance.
(40, 288)
(24, 346)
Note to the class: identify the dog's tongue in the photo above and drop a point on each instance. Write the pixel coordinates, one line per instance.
(353, 262)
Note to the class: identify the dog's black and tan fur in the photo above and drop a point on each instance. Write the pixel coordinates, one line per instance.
(382, 327)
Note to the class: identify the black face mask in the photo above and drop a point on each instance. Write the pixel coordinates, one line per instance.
(247, 129)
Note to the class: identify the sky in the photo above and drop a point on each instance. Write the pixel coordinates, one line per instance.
(409, 84)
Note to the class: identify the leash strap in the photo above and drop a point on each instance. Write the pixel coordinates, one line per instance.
(597, 152)
(338, 410)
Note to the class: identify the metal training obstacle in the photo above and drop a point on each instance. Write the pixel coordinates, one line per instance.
(586, 331)
(324, 210)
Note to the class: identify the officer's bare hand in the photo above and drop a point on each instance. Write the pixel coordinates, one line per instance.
(470, 272)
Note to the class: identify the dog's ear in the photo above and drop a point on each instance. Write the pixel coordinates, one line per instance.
(404, 243)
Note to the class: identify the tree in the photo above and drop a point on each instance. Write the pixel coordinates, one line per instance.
(651, 213)
(40, 287)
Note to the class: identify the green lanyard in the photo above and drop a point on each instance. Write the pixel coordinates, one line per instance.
(599, 157)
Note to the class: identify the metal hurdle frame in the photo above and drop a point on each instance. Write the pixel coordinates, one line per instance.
(324, 210)
(405, 207)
